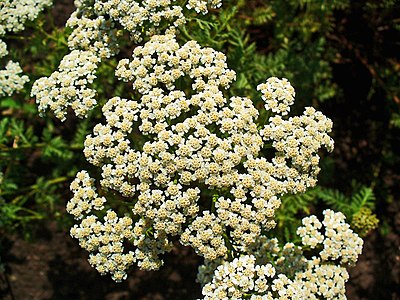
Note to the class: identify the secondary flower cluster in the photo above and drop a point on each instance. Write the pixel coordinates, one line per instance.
(278, 95)
(97, 26)
(206, 67)
(10, 79)
(68, 86)
(13, 15)
(338, 240)
(271, 272)
(201, 6)
(104, 237)
(297, 141)
(97, 35)
(364, 221)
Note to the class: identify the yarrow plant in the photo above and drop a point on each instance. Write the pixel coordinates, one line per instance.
(13, 15)
(181, 161)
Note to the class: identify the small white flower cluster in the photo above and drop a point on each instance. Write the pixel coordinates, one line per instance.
(268, 273)
(278, 95)
(338, 240)
(104, 241)
(201, 6)
(97, 35)
(322, 281)
(13, 15)
(85, 196)
(10, 80)
(288, 259)
(204, 234)
(68, 86)
(3, 48)
(233, 280)
(142, 18)
(271, 272)
(206, 67)
(297, 141)
(96, 28)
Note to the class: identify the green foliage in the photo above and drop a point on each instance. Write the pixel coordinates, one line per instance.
(357, 207)
(395, 121)
(21, 192)
(292, 35)
(36, 161)
(55, 148)
(289, 215)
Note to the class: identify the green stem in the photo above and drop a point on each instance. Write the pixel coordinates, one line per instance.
(214, 200)
(186, 34)
(35, 146)
(228, 244)
(51, 37)
(34, 187)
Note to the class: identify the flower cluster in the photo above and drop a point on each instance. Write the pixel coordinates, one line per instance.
(364, 221)
(278, 95)
(287, 260)
(105, 242)
(10, 80)
(201, 6)
(322, 281)
(297, 141)
(68, 86)
(162, 61)
(104, 237)
(85, 196)
(182, 161)
(134, 16)
(97, 26)
(242, 276)
(271, 272)
(97, 35)
(13, 15)
(338, 240)
(177, 154)
(3, 49)
(193, 141)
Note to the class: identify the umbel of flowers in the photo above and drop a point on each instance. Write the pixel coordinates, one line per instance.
(13, 15)
(195, 140)
(272, 272)
(181, 161)
(98, 25)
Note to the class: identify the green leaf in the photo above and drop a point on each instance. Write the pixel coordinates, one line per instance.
(363, 198)
(9, 103)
